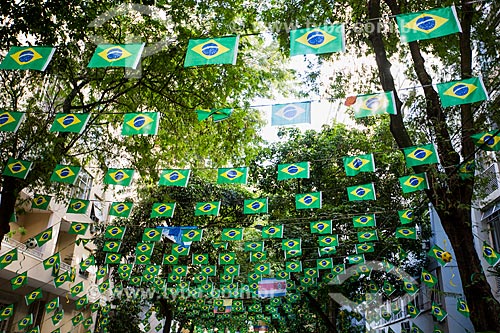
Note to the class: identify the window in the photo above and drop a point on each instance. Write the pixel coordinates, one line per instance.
(491, 217)
(83, 185)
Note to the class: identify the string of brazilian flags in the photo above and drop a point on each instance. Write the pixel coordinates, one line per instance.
(326, 39)
(223, 50)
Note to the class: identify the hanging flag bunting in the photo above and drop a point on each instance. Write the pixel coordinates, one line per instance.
(216, 114)
(412, 310)
(407, 233)
(269, 288)
(112, 258)
(462, 307)
(199, 259)
(76, 289)
(232, 234)
(293, 266)
(361, 192)
(232, 175)
(52, 305)
(367, 236)
(120, 209)
(406, 216)
(8, 258)
(364, 221)
(102, 272)
(364, 248)
(258, 256)
(319, 40)
(227, 258)
(151, 235)
(293, 170)
(427, 278)
(144, 248)
(78, 228)
(77, 206)
(467, 169)
(33, 296)
(328, 241)
(361, 163)
(117, 55)
(326, 263)
(438, 312)
(489, 141)
(43, 237)
(165, 210)
(412, 183)
(253, 246)
(212, 51)
(490, 255)
(291, 114)
(28, 57)
(410, 288)
(207, 208)
(17, 168)
(308, 200)
(180, 250)
(321, 227)
(441, 256)
(52, 261)
(255, 206)
(272, 232)
(77, 319)
(65, 174)
(193, 235)
(174, 177)
(356, 259)
(141, 123)
(70, 122)
(374, 104)
(327, 250)
(420, 155)
(115, 232)
(263, 269)
(19, 280)
(41, 201)
(57, 317)
(7, 312)
(462, 92)
(437, 330)
(210, 270)
(428, 24)
(121, 177)
(10, 121)
(291, 244)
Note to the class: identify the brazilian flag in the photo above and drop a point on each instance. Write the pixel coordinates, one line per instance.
(212, 51)
(318, 40)
(28, 57)
(117, 55)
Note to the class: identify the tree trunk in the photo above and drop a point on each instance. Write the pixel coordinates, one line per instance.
(452, 200)
(166, 311)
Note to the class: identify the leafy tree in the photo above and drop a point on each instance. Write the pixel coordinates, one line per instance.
(458, 56)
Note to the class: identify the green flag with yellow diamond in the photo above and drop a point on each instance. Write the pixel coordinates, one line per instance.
(216, 114)
(489, 141)
(321, 227)
(374, 104)
(76, 289)
(117, 55)
(33, 296)
(328, 240)
(41, 201)
(51, 261)
(318, 40)
(207, 208)
(407, 233)
(192, 235)
(272, 231)
(291, 244)
(78, 206)
(85, 264)
(255, 206)
(420, 155)
(8, 258)
(199, 259)
(490, 255)
(438, 312)
(28, 57)
(78, 228)
(232, 234)
(151, 235)
(70, 122)
(17, 168)
(293, 170)
(120, 209)
(406, 216)
(211, 51)
(7, 312)
(462, 92)
(121, 177)
(114, 232)
(19, 280)
(52, 305)
(177, 177)
(65, 174)
(412, 183)
(326, 263)
(141, 123)
(356, 164)
(428, 24)
(25, 322)
(427, 278)
(43, 237)
(367, 220)
(361, 192)
(10, 121)
(163, 209)
(308, 200)
(232, 175)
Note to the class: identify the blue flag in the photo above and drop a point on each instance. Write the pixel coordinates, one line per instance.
(290, 114)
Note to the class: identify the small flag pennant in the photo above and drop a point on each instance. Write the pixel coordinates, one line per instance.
(308, 200)
(232, 234)
(111, 246)
(19, 281)
(412, 183)
(43, 237)
(199, 259)
(81, 302)
(112, 258)
(364, 248)
(462, 92)
(174, 177)
(428, 24)
(328, 241)
(410, 288)
(28, 57)
(321, 227)
(114, 232)
(361, 192)
(326, 251)
(291, 244)
(151, 235)
(438, 312)
(51, 261)
(489, 141)
(291, 114)
(294, 170)
(490, 255)
(364, 221)
(141, 123)
(467, 169)
(253, 246)
(232, 175)
(207, 208)
(76, 289)
(65, 174)
(356, 259)
(406, 216)
(77, 206)
(374, 104)
(70, 122)
(33, 296)
(356, 164)
(10, 121)
(462, 307)
(8, 258)
(120, 209)
(78, 228)
(216, 114)
(165, 209)
(420, 155)
(121, 177)
(272, 232)
(427, 278)
(212, 51)
(17, 168)
(319, 40)
(412, 310)
(407, 233)
(117, 55)
(324, 263)
(227, 258)
(439, 254)
(7, 312)
(52, 305)
(367, 236)
(192, 235)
